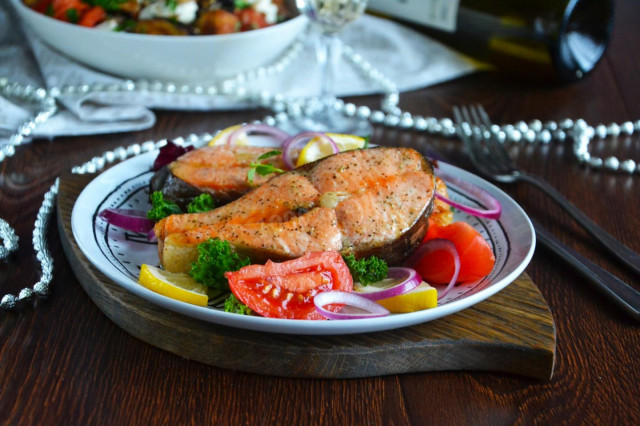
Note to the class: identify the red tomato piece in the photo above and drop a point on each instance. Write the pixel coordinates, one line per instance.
(251, 19)
(93, 17)
(287, 289)
(64, 9)
(434, 226)
(38, 5)
(476, 256)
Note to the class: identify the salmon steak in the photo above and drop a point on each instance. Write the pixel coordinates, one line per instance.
(220, 171)
(364, 202)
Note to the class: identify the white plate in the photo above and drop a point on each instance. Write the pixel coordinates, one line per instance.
(119, 254)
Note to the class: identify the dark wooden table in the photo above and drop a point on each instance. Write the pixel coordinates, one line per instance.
(64, 362)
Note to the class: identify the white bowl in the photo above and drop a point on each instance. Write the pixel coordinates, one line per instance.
(187, 59)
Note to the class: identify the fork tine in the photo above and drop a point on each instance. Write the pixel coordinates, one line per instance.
(464, 128)
(457, 115)
(483, 129)
(470, 116)
(484, 116)
(474, 109)
(471, 139)
(466, 116)
(494, 144)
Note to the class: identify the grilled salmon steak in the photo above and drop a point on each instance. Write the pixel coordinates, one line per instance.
(220, 171)
(362, 202)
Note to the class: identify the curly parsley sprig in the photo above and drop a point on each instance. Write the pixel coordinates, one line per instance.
(200, 204)
(215, 257)
(368, 270)
(160, 208)
(233, 305)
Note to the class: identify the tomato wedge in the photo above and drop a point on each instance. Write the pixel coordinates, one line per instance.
(38, 5)
(92, 17)
(476, 256)
(286, 290)
(65, 9)
(251, 19)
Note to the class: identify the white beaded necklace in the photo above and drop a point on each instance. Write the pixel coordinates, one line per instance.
(284, 108)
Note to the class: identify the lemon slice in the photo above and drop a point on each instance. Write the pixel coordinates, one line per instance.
(422, 297)
(176, 285)
(318, 148)
(222, 136)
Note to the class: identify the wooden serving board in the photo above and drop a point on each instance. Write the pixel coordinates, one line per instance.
(511, 332)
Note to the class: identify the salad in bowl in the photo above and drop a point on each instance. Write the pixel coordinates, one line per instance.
(167, 17)
(135, 47)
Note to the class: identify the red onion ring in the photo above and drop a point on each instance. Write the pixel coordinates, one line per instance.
(130, 220)
(291, 142)
(335, 297)
(411, 280)
(495, 209)
(435, 245)
(277, 134)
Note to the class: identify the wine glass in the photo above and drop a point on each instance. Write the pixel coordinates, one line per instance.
(330, 17)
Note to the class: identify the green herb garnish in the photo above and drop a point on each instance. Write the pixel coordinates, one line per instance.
(161, 208)
(126, 25)
(241, 4)
(233, 305)
(215, 257)
(367, 139)
(202, 203)
(72, 15)
(366, 271)
(107, 5)
(263, 169)
(171, 4)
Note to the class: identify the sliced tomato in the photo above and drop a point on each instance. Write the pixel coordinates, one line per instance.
(66, 9)
(287, 289)
(92, 17)
(476, 256)
(38, 5)
(251, 19)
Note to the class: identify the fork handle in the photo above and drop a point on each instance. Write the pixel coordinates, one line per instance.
(621, 251)
(619, 292)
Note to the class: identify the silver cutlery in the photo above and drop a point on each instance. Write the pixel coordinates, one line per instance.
(491, 159)
(611, 286)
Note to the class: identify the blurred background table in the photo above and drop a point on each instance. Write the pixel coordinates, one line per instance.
(64, 362)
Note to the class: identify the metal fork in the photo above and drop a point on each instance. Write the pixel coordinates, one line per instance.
(490, 158)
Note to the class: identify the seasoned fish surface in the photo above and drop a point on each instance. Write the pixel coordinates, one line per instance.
(366, 202)
(220, 171)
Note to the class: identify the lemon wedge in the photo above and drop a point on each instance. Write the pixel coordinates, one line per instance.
(222, 136)
(176, 285)
(422, 297)
(318, 148)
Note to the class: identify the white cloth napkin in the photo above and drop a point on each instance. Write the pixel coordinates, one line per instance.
(408, 58)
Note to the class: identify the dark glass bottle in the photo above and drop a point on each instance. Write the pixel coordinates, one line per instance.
(542, 40)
